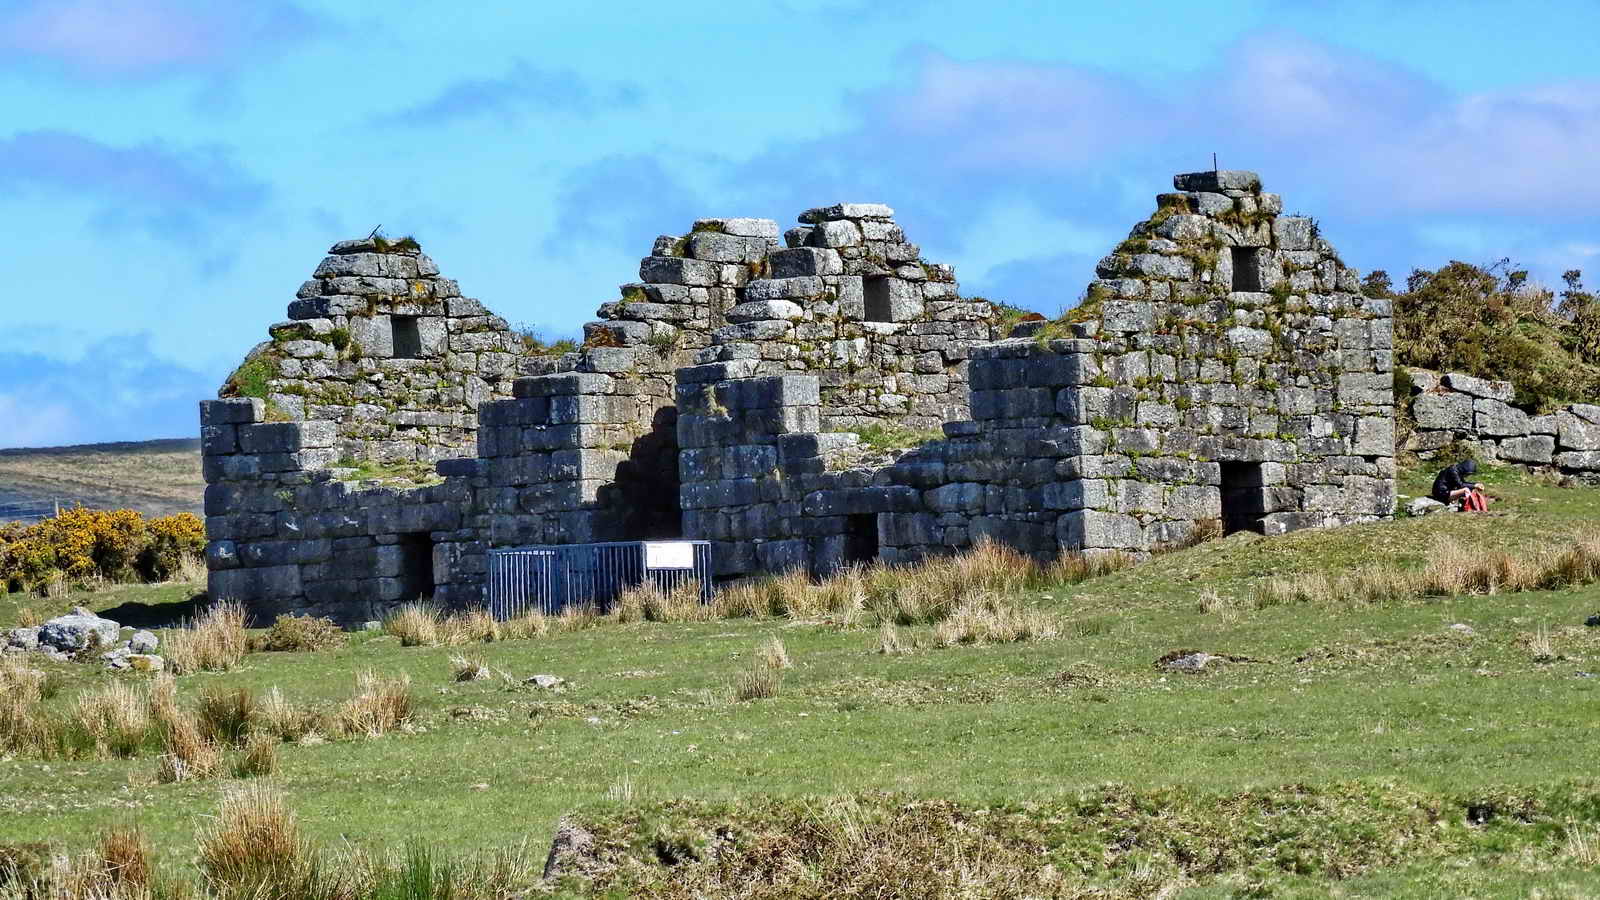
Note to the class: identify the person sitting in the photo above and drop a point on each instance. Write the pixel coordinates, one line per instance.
(1451, 486)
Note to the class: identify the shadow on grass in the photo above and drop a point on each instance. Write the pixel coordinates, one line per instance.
(157, 615)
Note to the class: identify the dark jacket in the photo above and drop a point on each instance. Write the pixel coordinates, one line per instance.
(1448, 480)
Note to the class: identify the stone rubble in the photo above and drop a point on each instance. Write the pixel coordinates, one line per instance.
(1458, 411)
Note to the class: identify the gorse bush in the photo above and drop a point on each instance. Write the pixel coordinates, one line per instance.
(1488, 322)
(119, 545)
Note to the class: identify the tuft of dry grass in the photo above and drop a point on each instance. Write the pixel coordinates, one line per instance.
(216, 641)
(531, 624)
(1540, 645)
(759, 680)
(277, 717)
(415, 624)
(773, 655)
(28, 617)
(889, 640)
(469, 668)
(186, 753)
(116, 718)
(124, 856)
(990, 619)
(379, 706)
(1583, 846)
(254, 849)
(224, 716)
(650, 602)
(258, 757)
(475, 626)
(24, 726)
(191, 570)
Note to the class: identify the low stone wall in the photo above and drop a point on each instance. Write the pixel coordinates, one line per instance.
(1455, 407)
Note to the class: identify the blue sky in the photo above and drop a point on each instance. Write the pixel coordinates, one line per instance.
(171, 170)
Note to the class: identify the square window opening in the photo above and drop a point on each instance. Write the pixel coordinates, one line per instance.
(1246, 269)
(876, 292)
(1244, 498)
(407, 337)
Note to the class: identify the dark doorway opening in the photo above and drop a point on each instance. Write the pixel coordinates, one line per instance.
(416, 566)
(876, 292)
(1246, 269)
(861, 538)
(407, 337)
(646, 492)
(1244, 500)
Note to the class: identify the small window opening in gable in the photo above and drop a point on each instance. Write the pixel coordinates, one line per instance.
(876, 291)
(407, 337)
(1246, 269)
(1244, 497)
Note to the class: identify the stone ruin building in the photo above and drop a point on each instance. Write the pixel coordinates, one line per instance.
(1222, 368)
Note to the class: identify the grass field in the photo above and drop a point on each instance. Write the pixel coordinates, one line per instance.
(154, 477)
(1356, 749)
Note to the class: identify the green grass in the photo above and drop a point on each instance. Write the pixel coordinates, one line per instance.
(1385, 698)
(894, 437)
(399, 472)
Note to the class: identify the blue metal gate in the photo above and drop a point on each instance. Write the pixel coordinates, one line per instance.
(553, 577)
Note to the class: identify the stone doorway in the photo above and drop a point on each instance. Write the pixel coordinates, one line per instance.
(1244, 501)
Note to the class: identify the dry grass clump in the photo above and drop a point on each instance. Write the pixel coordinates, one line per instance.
(302, 633)
(116, 719)
(258, 757)
(990, 619)
(469, 668)
(191, 569)
(277, 717)
(415, 624)
(762, 678)
(889, 643)
(530, 624)
(1453, 569)
(379, 706)
(1583, 846)
(225, 716)
(216, 641)
(24, 725)
(186, 753)
(1540, 646)
(28, 617)
(475, 626)
(773, 654)
(254, 848)
(650, 602)
(118, 868)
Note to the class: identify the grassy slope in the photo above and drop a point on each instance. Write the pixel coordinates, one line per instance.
(153, 477)
(1389, 694)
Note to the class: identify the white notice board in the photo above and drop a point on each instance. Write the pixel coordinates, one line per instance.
(668, 555)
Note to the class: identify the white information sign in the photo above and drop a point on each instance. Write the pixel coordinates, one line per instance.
(668, 555)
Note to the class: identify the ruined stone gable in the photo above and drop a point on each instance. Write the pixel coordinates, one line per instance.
(384, 347)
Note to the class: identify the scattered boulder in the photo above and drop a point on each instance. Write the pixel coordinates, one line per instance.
(74, 631)
(548, 682)
(145, 662)
(572, 851)
(1422, 506)
(143, 642)
(23, 638)
(372, 625)
(1186, 660)
(1463, 629)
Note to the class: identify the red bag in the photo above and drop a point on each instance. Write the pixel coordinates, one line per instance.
(1474, 501)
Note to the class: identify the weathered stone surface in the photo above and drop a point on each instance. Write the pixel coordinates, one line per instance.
(1478, 387)
(78, 630)
(1443, 411)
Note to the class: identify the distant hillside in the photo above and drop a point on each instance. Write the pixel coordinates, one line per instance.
(153, 477)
